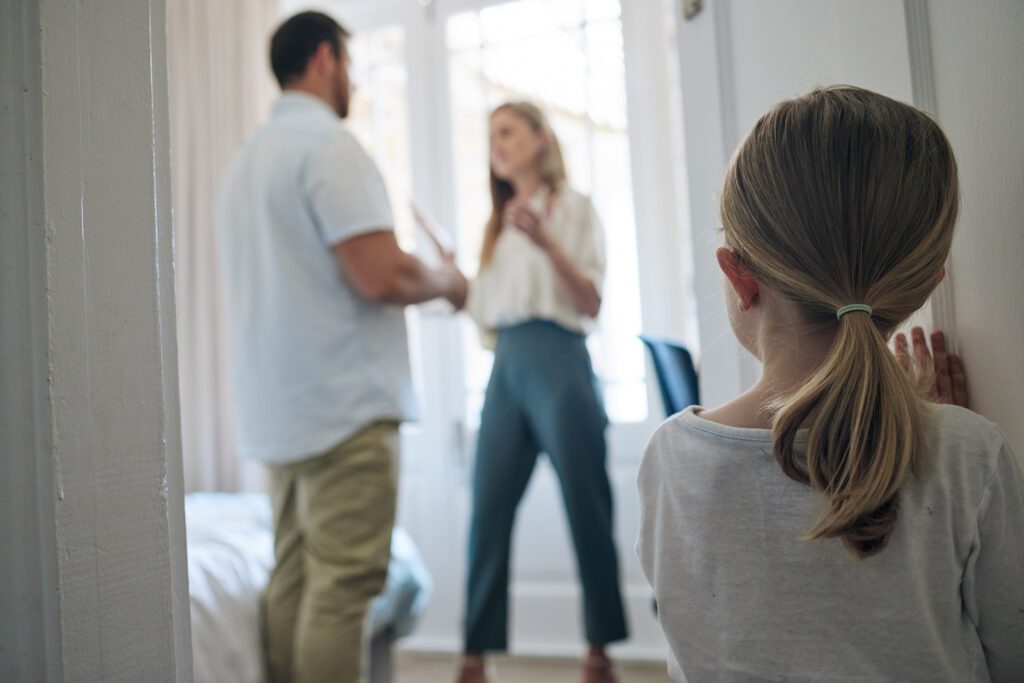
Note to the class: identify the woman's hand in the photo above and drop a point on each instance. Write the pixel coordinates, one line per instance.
(457, 286)
(582, 290)
(940, 373)
(529, 222)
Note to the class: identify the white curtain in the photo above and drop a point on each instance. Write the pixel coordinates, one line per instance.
(220, 91)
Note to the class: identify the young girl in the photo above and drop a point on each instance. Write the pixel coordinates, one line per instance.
(535, 298)
(829, 524)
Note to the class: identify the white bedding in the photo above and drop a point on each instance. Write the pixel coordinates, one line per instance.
(230, 554)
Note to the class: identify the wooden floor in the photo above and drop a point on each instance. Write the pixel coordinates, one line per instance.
(413, 667)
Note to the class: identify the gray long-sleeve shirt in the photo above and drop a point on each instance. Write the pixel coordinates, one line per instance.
(741, 597)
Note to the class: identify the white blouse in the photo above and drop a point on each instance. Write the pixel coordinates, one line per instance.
(521, 283)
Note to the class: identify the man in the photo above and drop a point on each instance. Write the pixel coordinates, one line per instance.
(315, 284)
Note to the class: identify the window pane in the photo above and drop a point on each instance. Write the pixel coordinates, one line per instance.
(527, 18)
(379, 116)
(464, 32)
(606, 75)
(596, 10)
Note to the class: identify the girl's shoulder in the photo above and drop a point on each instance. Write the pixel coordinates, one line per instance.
(686, 441)
(689, 426)
(965, 447)
(954, 422)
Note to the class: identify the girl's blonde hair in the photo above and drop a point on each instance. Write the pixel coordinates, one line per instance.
(841, 197)
(552, 169)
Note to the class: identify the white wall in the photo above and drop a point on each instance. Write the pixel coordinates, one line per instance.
(737, 59)
(93, 547)
(978, 57)
(785, 48)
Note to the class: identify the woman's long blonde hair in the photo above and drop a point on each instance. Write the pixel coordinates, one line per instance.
(840, 197)
(552, 169)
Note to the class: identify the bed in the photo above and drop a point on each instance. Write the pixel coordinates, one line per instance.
(230, 554)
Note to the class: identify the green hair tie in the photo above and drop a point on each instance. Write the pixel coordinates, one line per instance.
(852, 308)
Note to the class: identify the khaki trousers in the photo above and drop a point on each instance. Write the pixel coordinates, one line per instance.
(333, 516)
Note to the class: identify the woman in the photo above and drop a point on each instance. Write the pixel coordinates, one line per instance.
(535, 298)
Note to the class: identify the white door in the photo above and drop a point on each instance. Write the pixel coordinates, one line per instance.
(426, 79)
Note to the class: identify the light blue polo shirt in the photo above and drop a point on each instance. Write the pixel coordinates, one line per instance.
(311, 360)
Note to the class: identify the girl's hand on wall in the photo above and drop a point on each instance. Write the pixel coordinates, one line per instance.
(939, 373)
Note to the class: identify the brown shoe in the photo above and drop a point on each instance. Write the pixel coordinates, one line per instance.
(475, 669)
(599, 669)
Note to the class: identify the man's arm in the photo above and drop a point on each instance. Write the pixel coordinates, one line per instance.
(380, 271)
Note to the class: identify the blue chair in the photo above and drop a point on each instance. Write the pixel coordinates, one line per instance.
(677, 378)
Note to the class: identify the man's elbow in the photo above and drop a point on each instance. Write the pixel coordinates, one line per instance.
(374, 290)
(392, 286)
(384, 289)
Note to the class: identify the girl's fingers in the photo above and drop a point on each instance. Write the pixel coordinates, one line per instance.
(921, 353)
(939, 349)
(958, 381)
(941, 364)
(924, 372)
(902, 352)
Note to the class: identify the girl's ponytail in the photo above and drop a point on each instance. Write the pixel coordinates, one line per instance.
(866, 426)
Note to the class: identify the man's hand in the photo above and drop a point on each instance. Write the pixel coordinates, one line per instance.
(459, 290)
(380, 271)
(939, 373)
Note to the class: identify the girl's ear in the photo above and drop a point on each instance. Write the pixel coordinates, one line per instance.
(940, 277)
(742, 280)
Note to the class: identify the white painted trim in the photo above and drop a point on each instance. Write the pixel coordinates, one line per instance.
(174, 476)
(709, 135)
(30, 647)
(726, 77)
(625, 653)
(922, 74)
(922, 77)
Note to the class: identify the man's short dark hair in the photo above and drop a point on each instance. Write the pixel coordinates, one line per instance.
(296, 41)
